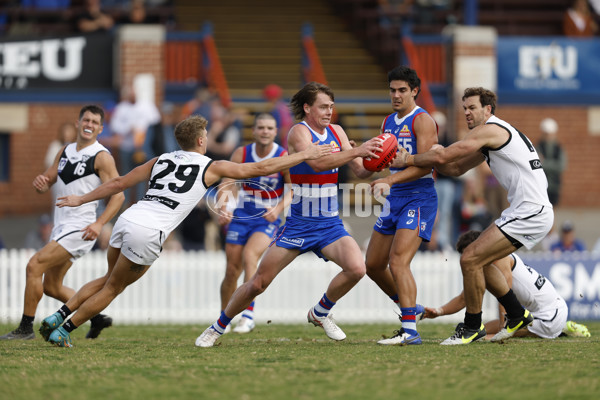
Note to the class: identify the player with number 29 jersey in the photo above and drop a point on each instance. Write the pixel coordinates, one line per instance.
(178, 197)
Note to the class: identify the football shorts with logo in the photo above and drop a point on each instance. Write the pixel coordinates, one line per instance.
(416, 211)
(310, 234)
(243, 225)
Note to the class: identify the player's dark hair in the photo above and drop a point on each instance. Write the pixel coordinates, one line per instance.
(308, 95)
(466, 239)
(406, 74)
(263, 116)
(189, 130)
(486, 97)
(94, 109)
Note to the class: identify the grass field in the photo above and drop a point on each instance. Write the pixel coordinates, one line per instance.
(297, 362)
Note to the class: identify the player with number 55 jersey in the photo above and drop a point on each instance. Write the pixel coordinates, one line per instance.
(177, 181)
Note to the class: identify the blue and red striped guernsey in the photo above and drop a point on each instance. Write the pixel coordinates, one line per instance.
(315, 193)
(268, 188)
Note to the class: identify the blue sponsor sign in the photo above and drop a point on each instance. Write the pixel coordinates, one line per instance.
(548, 70)
(576, 277)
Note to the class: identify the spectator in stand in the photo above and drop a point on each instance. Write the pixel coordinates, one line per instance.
(279, 109)
(37, 238)
(137, 13)
(200, 104)
(129, 124)
(67, 133)
(567, 240)
(224, 134)
(93, 19)
(161, 136)
(553, 158)
(578, 20)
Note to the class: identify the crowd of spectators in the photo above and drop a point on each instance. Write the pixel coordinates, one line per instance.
(47, 17)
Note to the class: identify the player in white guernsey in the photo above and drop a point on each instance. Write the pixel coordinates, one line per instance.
(77, 169)
(516, 164)
(533, 290)
(176, 182)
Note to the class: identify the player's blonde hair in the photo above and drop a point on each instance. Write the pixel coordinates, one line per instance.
(189, 130)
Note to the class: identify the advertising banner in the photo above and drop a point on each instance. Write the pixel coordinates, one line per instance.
(576, 277)
(549, 69)
(81, 62)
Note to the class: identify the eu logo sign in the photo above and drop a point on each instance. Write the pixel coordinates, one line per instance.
(547, 67)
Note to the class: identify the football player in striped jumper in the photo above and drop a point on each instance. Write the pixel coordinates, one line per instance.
(313, 223)
(515, 163)
(77, 169)
(410, 208)
(177, 181)
(256, 218)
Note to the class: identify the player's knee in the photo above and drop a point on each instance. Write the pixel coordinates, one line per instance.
(373, 266)
(257, 285)
(357, 271)
(34, 268)
(51, 289)
(468, 262)
(233, 272)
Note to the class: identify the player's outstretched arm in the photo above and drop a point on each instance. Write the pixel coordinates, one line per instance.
(227, 191)
(113, 186)
(220, 169)
(107, 170)
(451, 307)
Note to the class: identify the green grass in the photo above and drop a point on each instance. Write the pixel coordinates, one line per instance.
(297, 362)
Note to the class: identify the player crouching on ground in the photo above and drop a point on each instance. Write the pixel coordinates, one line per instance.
(533, 290)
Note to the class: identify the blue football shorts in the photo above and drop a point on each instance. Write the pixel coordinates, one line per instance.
(310, 234)
(408, 212)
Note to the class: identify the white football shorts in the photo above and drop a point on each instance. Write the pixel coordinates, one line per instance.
(526, 224)
(550, 324)
(70, 237)
(139, 244)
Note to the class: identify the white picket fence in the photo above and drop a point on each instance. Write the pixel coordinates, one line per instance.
(183, 287)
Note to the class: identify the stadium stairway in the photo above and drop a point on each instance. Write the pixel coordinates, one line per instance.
(259, 42)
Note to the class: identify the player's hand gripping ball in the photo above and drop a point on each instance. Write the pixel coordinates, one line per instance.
(387, 154)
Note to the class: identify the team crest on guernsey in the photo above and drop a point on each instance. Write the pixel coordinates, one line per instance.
(61, 164)
(404, 131)
(337, 148)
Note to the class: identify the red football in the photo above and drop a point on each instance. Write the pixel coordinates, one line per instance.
(387, 154)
